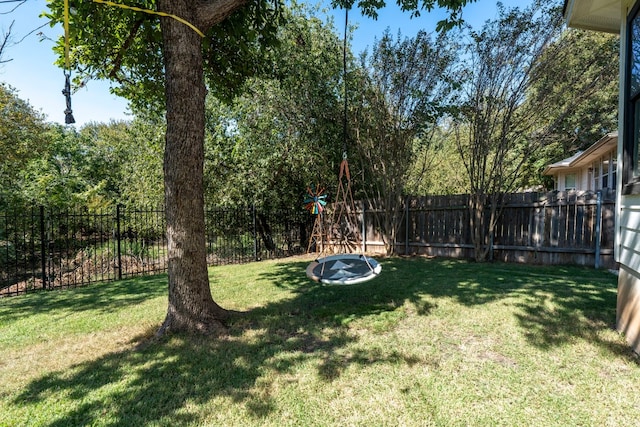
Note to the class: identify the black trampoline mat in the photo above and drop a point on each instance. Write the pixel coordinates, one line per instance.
(344, 269)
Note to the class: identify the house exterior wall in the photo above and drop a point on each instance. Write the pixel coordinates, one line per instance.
(594, 176)
(627, 310)
(591, 170)
(580, 181)
(628, 222)
(627, 244)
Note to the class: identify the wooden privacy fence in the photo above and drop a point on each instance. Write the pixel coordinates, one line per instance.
(538, 228)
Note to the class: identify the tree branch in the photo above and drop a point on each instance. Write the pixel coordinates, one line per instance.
(213, 12)
(117, 62)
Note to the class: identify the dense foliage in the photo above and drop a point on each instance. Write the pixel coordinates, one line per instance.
(283, 129)
(283, 132)
(23, 138)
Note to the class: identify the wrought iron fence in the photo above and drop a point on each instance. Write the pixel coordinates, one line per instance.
(47, 249)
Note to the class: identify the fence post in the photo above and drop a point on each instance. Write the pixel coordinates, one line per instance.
(255, 232)
(406, 225)
(43, 249)
(119, 249)
(598, 227)
(364, 228)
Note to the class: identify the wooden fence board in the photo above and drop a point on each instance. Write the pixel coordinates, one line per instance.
(552, 228)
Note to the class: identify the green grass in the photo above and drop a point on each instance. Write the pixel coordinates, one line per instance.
(429, 342)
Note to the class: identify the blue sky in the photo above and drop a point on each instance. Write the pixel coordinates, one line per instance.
(31, 70)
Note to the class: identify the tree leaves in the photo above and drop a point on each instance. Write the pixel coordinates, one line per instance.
(22, 138)
(282, 132)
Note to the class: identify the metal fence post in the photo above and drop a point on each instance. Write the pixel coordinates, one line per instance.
(118, 248)
(43, 249)
(255, 232)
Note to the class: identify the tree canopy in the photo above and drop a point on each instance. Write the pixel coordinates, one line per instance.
(496, 131)
(23, 138)
(404, 91)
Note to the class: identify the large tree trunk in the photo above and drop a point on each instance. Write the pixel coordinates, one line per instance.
(191, 306)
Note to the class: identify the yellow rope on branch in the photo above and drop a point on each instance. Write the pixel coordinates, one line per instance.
(152, 12)
(66, 34)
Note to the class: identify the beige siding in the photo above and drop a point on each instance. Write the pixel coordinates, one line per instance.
(629, 232)
(628, 213)
(583, 180)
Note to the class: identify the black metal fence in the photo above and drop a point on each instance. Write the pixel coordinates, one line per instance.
(47, 249)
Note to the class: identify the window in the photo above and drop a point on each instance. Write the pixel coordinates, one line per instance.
(631, 160)
(605, 174)
(570, 181)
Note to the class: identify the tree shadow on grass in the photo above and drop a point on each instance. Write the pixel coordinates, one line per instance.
(98, 297)
(554, 305)
(186, 379)
(157, 382)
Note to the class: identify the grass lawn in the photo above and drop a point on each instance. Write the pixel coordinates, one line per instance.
(428, 343)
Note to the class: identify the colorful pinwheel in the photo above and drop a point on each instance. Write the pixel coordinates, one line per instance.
(314, 202)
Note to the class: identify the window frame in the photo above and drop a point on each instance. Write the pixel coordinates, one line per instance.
(605, 167)
(631, 146)
(573, 176)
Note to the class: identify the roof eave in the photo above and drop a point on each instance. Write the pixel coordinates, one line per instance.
(595, 15)
(582, 158)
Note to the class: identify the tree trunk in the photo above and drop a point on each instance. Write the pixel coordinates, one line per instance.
(478, 226)
(191, 306)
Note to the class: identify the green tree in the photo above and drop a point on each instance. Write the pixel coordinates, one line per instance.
(106, 149)
(148, 61)
(79, 168)
(23, 138)
(404, 93)
(437, 168)
(575, 93)
(54, 179)
(68, 174)
(283, 131)
(141, 176)
(496, 131)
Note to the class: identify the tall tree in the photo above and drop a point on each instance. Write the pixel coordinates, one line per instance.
(22, 139)
(141, 185)
(284, 130)
(574, 90)
(55, 178)
(496, 131)
(130, 48)
(404, 92)
(436, 167)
